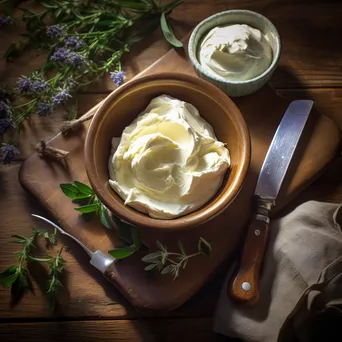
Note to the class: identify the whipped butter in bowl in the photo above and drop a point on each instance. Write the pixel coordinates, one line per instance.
(168, 161)
(235, 52)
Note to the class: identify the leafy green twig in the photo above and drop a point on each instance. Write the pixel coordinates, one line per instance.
(128, 234)
(171, 262)
(56, 267)
(17, 276)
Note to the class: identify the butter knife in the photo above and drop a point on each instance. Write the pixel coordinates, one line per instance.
(98, 259)
(244, 286)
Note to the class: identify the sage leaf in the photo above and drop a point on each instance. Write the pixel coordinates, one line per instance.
(181, 247)
(88, 208)
(167, 32)
(84, 188)
(167, 269)
(104, 217)
(9, 279)
(150, 267)
(123, 252)
(204, 246)
(151, 257)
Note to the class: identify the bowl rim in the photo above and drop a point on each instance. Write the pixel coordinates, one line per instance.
(192, 52)
(205, 213)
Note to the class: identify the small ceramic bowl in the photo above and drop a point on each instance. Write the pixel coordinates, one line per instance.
(123, 105)
(253, 19)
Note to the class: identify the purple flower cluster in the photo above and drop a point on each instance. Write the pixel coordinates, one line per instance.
(44, 108)
(117, 77)
(64, 56)
(55, 31)
(5, 118)
(9, 152)
(73, 43)
(61, 97)
(60, 55)
(26, 85)
(5, 21)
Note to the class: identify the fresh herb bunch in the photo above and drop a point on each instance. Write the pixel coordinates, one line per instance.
(17, 276)
(127, 233)
(171, 262)
(163, 261)
(85, 40)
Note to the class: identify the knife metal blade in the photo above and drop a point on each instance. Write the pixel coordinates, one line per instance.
(244, 286)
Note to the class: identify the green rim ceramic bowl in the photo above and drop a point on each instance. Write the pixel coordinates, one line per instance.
(239, 16)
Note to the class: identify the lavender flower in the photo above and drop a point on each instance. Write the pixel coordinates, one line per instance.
(44, 108)
(24, 84)
(55, 31)
(76, 59)
(5, 21)
(117, 77)
(60, 55)
(5, 110)
(39, 86)
(5, 125)
(74, 43)
(9, 152)
(61, 97)
(72, 84)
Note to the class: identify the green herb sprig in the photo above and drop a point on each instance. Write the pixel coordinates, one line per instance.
(127, 233)
(172, 262)
(17, 276)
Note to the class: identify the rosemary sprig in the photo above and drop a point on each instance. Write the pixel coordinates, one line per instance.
(172, 262)
(17, 276)
(54, 285)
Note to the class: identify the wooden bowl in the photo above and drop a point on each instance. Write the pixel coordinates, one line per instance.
(122, 106)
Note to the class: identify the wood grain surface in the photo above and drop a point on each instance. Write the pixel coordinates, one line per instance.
(152, 292)
(310, 67)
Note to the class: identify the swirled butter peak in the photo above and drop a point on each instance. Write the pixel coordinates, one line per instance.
(235, 52)
(168, 161)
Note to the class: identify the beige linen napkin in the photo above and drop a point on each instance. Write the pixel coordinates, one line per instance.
(303, 258)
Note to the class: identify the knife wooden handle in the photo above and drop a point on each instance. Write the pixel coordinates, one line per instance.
(244, 286)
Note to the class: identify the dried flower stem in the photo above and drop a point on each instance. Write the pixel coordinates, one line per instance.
(55, 153)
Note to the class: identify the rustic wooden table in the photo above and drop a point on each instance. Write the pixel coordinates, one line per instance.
(90, 309)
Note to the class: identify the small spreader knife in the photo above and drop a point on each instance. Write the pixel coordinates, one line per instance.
(98, 259)
(244, 286)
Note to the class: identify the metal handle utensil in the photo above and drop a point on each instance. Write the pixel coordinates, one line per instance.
(98, 259)
(244, 286)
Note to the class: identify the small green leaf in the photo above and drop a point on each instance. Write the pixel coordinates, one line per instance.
(69, 190)
(161, 246)
(8, 271)
(150, 267)
(39, 259)
(204, 246)
(104, 217)
(167, 269)
(84, 188)
(88, 208)
(181, 247)
(9, 280)
(168, 34)
(151, 257)
(121, 253)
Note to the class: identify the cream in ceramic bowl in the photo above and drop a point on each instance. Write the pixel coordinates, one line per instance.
(255, 69)
(123, 106)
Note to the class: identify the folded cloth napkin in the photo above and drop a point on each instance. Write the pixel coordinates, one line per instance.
(301, 280)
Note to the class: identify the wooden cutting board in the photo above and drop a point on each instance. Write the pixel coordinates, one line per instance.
(262, 111)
